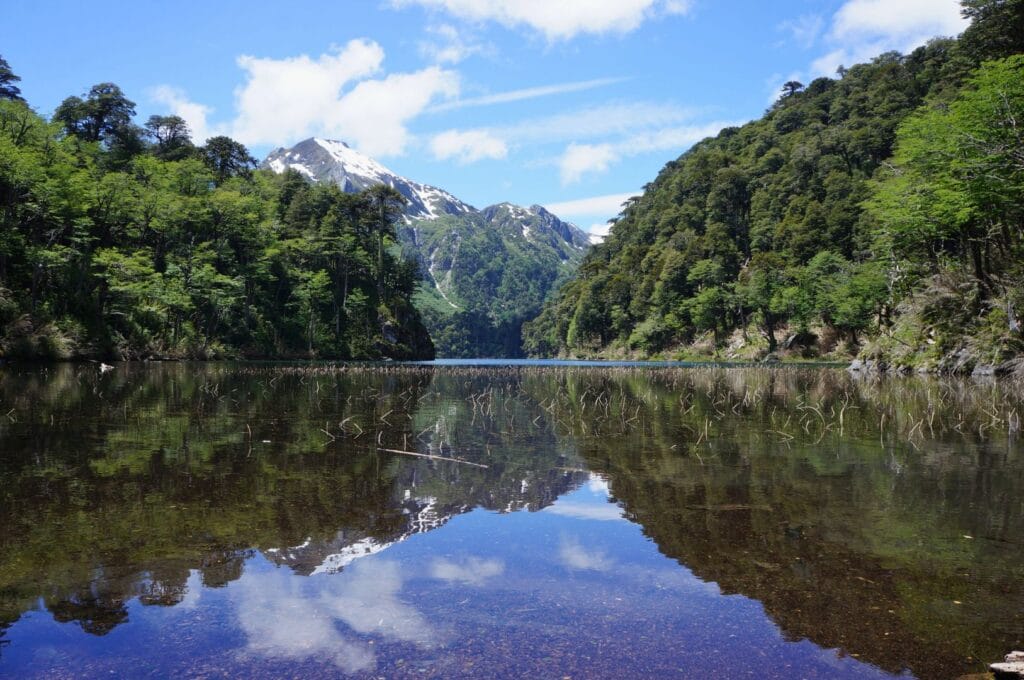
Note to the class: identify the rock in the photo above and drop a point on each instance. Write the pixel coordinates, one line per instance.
(958, 362)
(864, 366)
(1012, 668)
(1011, 367)
(983, 370)
(771, 358)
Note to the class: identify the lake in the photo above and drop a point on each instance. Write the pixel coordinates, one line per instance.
(270, 520)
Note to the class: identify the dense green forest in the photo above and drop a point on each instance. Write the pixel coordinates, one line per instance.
(127, 241)
(878, 213)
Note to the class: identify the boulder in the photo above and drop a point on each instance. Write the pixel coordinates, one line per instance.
(1012, 667)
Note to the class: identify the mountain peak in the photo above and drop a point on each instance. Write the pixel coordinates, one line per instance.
(333, 160)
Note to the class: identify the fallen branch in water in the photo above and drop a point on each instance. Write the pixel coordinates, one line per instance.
(426, 455)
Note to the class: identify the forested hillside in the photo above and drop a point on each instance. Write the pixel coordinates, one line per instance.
(127, 241)
(492, 270)
(879, 212)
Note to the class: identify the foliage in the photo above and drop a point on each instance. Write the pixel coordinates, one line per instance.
(493, 271)
(8, 87)
(826, 215)
(111, 247)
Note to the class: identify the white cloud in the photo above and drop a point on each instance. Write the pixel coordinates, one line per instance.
(289, 98)
(599, 512)
(561, 20)
(334, 95)
(374, 115)
(607, 204)
(368, 602)
(474, 571)
(278, 623)
(575, 556)
(599, 232)
(288, 620)
(863, 29)
(468, 147)
(194, 114)
(525, 93)
(581, 159)
(902, 18)
(596, 483)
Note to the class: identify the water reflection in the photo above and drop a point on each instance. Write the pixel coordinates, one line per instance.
(288, 619)
(687, 518)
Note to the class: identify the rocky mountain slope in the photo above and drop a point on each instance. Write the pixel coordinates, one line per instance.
(485, 272)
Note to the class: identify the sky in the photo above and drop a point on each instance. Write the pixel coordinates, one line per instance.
(570, 104)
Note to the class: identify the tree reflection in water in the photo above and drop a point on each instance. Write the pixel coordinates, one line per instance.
(880, 518)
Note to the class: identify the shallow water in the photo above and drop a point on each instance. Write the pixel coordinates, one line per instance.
(245, 520)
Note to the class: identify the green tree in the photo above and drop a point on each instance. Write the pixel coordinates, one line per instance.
(227, 158)
(996, 30)
(172, 137)
(8, 87)
(386, 204)
(103, 115)
(762, 289)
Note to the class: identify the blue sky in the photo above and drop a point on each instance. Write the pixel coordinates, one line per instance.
(572, 104)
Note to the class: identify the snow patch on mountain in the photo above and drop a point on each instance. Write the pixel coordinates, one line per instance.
(335, 161)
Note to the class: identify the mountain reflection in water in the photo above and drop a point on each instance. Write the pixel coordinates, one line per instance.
(224, 519)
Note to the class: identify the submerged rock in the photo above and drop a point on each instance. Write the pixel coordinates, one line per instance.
(865, 366)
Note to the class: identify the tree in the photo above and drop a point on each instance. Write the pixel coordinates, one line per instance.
(340, 247)
(762, 287)
(386, 203)
(791, 87)
(8, 89)
(996, 30)
(958, 184)
(172, 137)
(227, 158)
(104, 115)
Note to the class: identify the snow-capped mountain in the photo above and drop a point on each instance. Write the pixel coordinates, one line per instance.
(420, 515)
(330, 160)
(487, 271)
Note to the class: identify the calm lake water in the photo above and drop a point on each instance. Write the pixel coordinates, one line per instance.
(248, 520)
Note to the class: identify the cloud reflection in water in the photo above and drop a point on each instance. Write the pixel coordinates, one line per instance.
(298, 619)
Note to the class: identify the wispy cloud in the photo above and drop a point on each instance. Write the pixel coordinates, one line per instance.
(634, 128)
(561, 20)
(617, 118)
(600, 512)
(581, 159)
(804, 30)
(468, 147)
(448, 45)
(606, 204)
(473, 571)
(525, 93)
(574, 556)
